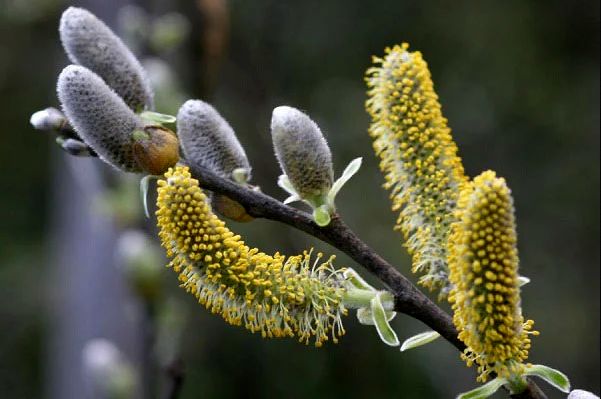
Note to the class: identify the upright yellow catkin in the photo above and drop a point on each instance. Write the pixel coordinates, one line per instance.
(483, 262)
(417, 156)
(278, 296)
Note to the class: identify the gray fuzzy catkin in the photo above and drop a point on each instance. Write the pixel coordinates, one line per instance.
(302, 152)
(580, 394)
(99, 116)
(207, 140)
(90, 43)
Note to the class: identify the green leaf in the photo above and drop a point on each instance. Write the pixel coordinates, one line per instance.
(554, 377)
(419, 340)
(321, 215)
(485, 390)
(522, 281)
(386, 333)
(356, 280)
(366, 317)
(155, 117)
(144, 183)
(349, 171)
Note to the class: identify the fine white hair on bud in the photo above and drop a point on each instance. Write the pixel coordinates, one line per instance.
(580, 394)
(90, 43)
(302, 152)
(208, 141)
(99, 116)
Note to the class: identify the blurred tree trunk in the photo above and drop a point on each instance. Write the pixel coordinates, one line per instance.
(91, 299)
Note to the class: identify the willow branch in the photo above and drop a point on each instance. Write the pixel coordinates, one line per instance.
(408, 298)
(176, 374)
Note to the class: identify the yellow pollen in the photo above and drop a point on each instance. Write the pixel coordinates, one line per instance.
(417, 156)
(231, 279)
(485, 295)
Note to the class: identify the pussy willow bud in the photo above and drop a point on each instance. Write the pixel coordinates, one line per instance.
(74, 147)
(90, 43)
(99, 116)
(302, 152)
(48, 119)
(113, 130)
(581, 394)
(209, 141)
(417, 156)
(483, 263)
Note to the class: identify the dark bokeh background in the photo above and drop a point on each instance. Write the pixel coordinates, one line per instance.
(519, 83)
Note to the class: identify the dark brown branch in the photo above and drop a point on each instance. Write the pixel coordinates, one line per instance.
(408, 299)
(176, 374)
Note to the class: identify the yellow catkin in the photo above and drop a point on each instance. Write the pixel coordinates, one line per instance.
(417, 156)
(271, 294)
(483, 263)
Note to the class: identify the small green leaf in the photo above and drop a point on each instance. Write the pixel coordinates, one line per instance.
(144, 183)
(155, 117)
(554, 377)
(386, 333)
(522, 281)
(321, 215)
(365, 316)
(419, 340)
(140, 135)
(485, 390)
(349, 171)
(356, 280)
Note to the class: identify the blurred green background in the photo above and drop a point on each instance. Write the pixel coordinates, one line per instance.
(518, 81)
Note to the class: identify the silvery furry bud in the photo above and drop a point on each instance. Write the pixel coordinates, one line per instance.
(74, 147)
(99, 116)
(48, 119)
(580, 394)
(90, 43)
(209, 141)
(302, 152)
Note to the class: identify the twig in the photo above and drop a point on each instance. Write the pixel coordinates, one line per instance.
(175, 372)
(408, 299)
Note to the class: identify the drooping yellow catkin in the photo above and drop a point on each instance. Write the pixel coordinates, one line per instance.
(417, 156)
(483, 263)
(296, 297)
